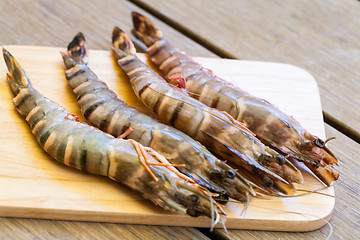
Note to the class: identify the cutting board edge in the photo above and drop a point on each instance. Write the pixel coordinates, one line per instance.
(171, 220)
(243, 221)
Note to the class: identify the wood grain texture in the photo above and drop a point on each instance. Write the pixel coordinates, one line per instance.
(346, 217)
(48, 23)
(13, 228)
(321, 37)
(52, 23)
(54, 191)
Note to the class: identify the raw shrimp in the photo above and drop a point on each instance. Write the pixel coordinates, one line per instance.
(273, 127)
(86, 148)
(103, 109)
(218, 131)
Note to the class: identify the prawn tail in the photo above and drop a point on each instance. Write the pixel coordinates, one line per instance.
(145, 30)
(78, 50)
(16, 77)
(68, 61)
(122, 45)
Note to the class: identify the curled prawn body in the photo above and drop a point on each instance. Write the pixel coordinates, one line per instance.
(104, 110)
(274, 128)
(86, 148)
(218, 131)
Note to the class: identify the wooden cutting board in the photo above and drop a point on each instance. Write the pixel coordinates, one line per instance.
(33, 185)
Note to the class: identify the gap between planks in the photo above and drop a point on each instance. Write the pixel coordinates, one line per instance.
(185, 31)
(332, 121)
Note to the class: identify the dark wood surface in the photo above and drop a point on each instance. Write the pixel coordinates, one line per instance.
(319, 36)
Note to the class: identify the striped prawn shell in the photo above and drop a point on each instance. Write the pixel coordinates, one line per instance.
(86, 148)
(201, 83)
(104, 110)
(72, 143)
(215, 92)
(209, 126)
(268, 122)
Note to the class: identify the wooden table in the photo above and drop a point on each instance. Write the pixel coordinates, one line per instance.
(320, 36)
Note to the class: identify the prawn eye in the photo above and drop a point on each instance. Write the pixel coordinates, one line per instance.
(268, 182)
(222, 199)
(262, 158)
(192, 202)
(230, 174)
(179, 197)
(194, 198)
(280, 159)
(319, 143)
(216, 174)
(193, 212)
(316, 164)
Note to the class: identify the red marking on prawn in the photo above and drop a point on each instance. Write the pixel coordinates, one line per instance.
(126, 133)
(295, 120)
(233, 120)
(210, 71)
(169, 166)
(9, 76)
(141, 152)
(178, 80)
(165, 164)
(72, 117)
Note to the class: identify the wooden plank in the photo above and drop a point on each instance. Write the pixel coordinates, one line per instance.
(54, 191)
(56, 23)
(346, 217)
(12, 228)
(318, 36)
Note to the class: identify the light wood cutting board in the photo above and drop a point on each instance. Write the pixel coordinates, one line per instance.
(33, 185)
